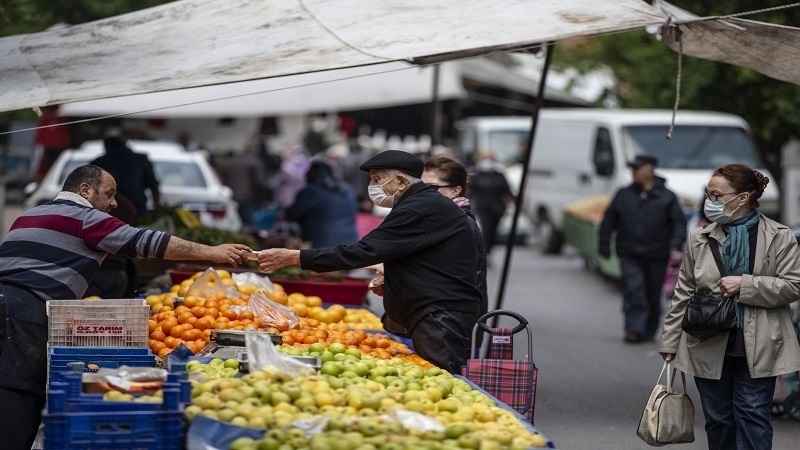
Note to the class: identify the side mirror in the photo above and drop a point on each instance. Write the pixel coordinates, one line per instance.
(30, 188)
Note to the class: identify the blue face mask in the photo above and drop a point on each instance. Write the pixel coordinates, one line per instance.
(715, 210)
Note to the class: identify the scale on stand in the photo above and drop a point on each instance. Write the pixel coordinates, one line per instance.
(230, 344)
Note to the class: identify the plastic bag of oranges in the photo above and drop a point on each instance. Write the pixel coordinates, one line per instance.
(210, 283)
(272, 314)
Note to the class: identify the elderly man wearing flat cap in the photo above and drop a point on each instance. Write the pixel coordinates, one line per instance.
(429, 251)
(650, 226)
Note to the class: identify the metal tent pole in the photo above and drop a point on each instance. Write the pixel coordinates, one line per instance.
(436, 113)
(512, 237)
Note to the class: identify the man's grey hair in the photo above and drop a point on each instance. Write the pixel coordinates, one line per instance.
(412, 180)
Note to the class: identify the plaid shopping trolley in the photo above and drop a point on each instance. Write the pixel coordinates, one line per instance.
(513, 382)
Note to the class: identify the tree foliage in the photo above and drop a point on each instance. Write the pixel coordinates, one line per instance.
(645, 70)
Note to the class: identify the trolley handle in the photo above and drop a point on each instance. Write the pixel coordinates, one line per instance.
(502, 312)
(523, 325)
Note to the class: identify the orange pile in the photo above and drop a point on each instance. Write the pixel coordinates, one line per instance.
(310, 331)
(192, 322)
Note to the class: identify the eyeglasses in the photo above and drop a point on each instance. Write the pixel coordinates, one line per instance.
(436, 187)
(716, 196)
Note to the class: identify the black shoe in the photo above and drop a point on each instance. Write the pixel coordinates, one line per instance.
(633, 338)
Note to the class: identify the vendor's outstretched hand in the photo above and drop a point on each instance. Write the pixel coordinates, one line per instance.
(276, 258)
(233, 254)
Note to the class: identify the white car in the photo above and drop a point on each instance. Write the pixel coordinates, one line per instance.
(185, 179)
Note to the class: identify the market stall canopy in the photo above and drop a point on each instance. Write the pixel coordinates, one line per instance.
(355, 88)
(192, 43)
(772, 50)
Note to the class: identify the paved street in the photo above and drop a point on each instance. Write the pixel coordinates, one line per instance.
(592, 385)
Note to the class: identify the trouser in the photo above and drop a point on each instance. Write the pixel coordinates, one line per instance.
(20, 416)
(737, 408)
(642, 280)
(489, 222)
(443, 338)
(23, 366)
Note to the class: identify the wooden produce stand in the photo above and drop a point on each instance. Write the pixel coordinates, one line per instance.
(581, 230)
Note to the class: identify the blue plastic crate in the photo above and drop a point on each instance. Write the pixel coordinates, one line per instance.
(76, 420)
(103, 357)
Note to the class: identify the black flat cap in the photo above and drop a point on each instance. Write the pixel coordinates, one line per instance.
(395, 159)
(642, 160)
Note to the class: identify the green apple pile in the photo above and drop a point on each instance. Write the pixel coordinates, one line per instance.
(215, 369)
(353, 389)
(379, 434)
(116, 396)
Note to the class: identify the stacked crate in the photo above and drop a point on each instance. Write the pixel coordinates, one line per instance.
(99, 333)
(73, 419)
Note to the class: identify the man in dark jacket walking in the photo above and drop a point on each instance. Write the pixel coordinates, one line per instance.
(650, 226)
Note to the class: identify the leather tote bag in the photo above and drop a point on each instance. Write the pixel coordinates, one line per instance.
(708, 316)
(668, 417)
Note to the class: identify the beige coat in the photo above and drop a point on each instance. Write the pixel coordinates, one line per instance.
(769, 337)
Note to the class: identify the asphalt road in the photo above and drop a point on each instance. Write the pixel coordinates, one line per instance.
(592, 386)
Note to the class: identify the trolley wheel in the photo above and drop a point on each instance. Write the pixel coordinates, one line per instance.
(792, 405)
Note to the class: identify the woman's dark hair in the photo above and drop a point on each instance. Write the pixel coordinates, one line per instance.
(89, 174)
(744, 179)
(320, 173)
(450, 170)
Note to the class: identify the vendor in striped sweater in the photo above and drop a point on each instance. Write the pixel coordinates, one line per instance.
(52, 252)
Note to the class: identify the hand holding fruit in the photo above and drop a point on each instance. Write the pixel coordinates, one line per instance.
(233, 254)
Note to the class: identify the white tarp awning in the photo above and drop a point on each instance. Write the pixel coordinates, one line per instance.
(375, 86)
(193, 43)
(772, 50)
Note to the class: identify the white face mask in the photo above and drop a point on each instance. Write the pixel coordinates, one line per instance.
(485, 165)
(378, 195)
(715, 210)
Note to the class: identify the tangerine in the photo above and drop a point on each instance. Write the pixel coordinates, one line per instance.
(168, 324)
(157, 347)
(176, 331)
(190, 301)
(158, 335)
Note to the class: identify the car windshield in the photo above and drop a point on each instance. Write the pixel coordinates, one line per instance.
(691, 146)
(169, 173)
(508, 145)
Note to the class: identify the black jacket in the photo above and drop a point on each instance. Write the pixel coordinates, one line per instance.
(481, 261)
(429, 251)
(648, 224)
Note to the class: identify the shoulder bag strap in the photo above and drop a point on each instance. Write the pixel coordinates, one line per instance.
(717, 257)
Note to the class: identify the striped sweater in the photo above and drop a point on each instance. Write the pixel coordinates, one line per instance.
(56, 249)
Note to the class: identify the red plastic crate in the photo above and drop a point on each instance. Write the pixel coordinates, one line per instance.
(349, 291)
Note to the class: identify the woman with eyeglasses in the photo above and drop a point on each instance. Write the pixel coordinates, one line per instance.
(448, 176)
(735, 371)
(491, 194)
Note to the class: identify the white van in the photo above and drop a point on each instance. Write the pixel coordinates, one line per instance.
(580, 153)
